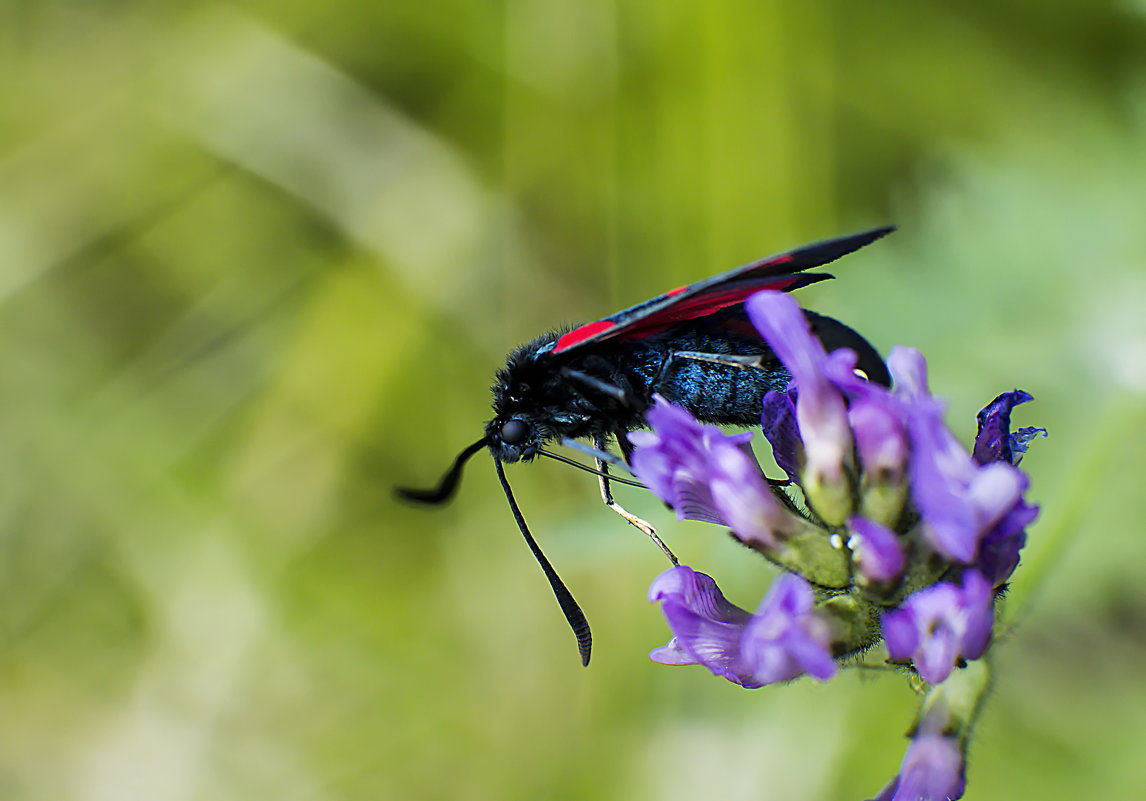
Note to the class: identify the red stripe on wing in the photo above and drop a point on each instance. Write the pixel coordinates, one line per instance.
(579, 335)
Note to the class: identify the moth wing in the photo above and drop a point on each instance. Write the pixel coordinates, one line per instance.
(782, 272)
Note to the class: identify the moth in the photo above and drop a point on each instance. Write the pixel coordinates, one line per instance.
(693, 345)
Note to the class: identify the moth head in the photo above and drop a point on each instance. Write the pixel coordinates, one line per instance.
(513, 438)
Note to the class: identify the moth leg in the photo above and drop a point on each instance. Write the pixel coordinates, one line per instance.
(607, 497)
(625, 446)
(597, 385)
(750, 362)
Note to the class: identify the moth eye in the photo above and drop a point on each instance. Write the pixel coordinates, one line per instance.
(514, 432)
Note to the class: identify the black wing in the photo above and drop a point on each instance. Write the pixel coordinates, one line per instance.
(783, 272)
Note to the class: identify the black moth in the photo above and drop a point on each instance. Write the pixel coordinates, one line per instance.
(694, 345)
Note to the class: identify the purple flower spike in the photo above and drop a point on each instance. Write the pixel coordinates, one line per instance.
(820, 409)
(932, 770)
(877, 549)
(941, 624)
(783, 640)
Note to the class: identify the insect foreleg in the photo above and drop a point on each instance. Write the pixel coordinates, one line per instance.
(750, 362)
(597, 385)
(625, 446)
(607, 497)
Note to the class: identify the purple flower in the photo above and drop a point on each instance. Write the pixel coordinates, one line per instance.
(999, 550)
(958, 499)
(714, 625)
(994, 441)
(909, 370)
(941, 624)
(933, 767)
(672, 460)
(820, 409)
(881, 441)
(932, 770)
(882, 446)
(705, 474)
(783, 640)
(877, 550)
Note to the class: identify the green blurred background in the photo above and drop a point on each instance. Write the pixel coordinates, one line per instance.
(259, 261)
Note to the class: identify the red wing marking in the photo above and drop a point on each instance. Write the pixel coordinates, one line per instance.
(706, 302)
(579, 335)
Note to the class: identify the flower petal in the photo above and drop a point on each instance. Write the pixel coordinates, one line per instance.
(698, 593)
(999, 550)
(1021, 440)
(778, 420)
(783, 640)
(932, 770)
(908, 368)
(705, 474)
(706, 627)
(957, 498)
(877, 549)
(940, 624)
(671, 654)
(820, 409)
(978, 615)
(993, 440)
(672, 460)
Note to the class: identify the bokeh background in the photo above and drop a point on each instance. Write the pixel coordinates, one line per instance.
(259, 261)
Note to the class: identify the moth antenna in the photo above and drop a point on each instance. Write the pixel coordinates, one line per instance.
(569, 606)
(449, 483)
(588, 469)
